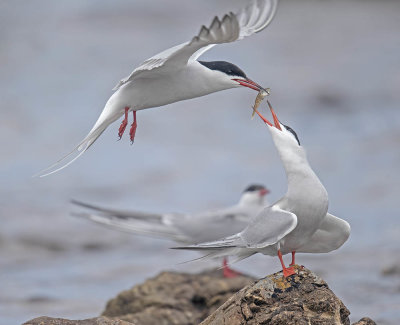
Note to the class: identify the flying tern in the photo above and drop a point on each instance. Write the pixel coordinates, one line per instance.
(185, 228)
(176, 74)
(298, 222)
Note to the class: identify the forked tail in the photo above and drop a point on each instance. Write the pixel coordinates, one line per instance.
(75, 153)
(110, 113)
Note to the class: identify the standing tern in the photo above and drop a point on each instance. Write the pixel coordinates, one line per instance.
(176, 74)
(298, 222)
(185, 228)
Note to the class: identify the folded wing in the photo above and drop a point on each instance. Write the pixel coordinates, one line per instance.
(332, 234)
(267, 228)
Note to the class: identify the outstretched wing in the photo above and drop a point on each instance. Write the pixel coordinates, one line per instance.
(232, 27)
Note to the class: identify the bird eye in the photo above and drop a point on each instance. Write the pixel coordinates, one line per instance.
(292, 132)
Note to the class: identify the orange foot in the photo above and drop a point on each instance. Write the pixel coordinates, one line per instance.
(124, 123)
(132, 132)
(229, 273)
(288, 271)
(122, 128)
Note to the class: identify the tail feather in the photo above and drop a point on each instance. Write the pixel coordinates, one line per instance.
(233, 241)
(75, 153)
(219, 251)
(111, 112)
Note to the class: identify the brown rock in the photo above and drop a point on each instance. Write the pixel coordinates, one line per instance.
(187, 299)
(175, 298)
(60, 321)
(365, 321)
(303, 298)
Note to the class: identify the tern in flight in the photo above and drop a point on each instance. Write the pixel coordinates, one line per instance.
(176, 74)
(185, 228)
(298, 222)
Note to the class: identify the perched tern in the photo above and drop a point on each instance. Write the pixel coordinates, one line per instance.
(185, 228)
(176, 74)
(298, 222)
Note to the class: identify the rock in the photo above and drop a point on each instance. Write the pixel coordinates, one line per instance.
(300, 299)
(187, 299)
(175, 298)
(60, 321)
(365, 321)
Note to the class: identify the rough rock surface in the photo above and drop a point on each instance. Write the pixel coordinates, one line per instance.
(300, 299)
(175, 298)
(60, 321)
(365, 321)
(185, 299)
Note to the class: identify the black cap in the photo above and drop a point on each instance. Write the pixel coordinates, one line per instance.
(254, 187)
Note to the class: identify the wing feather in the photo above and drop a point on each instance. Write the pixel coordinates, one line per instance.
(251, 19)
(267, 228)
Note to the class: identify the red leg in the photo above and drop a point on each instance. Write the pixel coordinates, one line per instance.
(227, 271)
(293, 259)
(132, 132)
(287, 271)
(123, 124)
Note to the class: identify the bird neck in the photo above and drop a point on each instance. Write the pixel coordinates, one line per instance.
(249, 199)
(300, 176)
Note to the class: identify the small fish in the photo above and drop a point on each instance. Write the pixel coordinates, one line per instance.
(260, 96)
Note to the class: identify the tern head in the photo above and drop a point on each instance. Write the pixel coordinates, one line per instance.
(254, 194)
(230, 75)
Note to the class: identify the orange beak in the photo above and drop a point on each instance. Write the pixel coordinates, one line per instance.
(264, 191)
(249, 83)
(276, 121)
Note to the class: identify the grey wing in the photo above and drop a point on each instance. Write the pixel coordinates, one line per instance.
(148, 224)
(268, 227)
(214, 224)
(232, 27)
(121, 214)
(332, 233)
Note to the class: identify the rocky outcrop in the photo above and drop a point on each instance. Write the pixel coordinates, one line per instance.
(175, 298)
(187, 299)
(60, 321)
(300, 299)
(365, 321)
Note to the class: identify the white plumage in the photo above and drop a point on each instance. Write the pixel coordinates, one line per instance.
(175, 74)
(183, 228)
(298, 222)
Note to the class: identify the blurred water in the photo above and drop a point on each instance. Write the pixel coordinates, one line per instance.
(334, 70)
